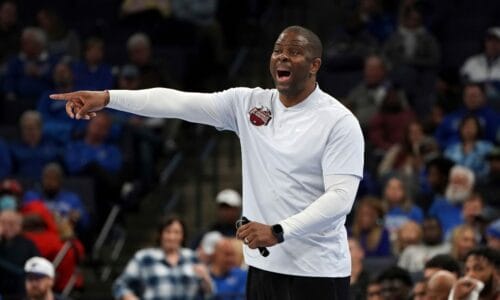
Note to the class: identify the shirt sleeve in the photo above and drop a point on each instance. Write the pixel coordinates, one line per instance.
(344, 152)
(168, 103)
(130, 276)
(335, 203)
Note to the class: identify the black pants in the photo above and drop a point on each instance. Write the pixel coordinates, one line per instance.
(264, 285)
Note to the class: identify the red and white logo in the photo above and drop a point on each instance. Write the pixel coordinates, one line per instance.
(260, 115)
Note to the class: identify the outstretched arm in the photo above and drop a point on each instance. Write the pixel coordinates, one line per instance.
(155, 102)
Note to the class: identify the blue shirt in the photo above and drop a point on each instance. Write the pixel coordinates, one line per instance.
(5, 160)
(100, 78)
(150, 277)
(56, 123)
(474, 160)
(79, 155)
(230, 286)
(448, 131)
(383, 248)
(396, 217)
(449, 215)
(29, 161)
(62, 203)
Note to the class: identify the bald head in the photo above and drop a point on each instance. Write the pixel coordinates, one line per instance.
(314, 43)
(440, 284)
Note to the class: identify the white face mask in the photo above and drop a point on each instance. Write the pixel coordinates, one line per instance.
(457, 194)
(8, 202)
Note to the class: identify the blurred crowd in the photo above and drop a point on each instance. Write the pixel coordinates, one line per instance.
(422, 77)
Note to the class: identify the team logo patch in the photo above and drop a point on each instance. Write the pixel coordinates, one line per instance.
(260, 115)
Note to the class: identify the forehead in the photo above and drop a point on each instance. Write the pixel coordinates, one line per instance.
(292, 38)
(476, 260)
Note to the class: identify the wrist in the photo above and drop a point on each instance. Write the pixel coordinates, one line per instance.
(107, 97)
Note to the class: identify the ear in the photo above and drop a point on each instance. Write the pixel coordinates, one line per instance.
(315, 65)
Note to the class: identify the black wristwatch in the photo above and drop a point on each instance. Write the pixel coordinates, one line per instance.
(277, 231)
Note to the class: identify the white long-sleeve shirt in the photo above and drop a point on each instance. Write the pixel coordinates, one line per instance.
(301, 167)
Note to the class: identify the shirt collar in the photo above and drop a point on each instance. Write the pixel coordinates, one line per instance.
(309, 101)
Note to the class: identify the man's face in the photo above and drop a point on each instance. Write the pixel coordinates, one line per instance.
(479, 268)
(11, 224)
(459, 188)
(473, 97)
(37, 287)
(227, 214)
(431, 232)
(374, 71)
(394, 289)
(225, 256)
(292, 64)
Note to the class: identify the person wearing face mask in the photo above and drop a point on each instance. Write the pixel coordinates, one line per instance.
(303, 156)
(66, 205)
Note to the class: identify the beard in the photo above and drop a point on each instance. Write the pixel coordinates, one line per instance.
(456, 194)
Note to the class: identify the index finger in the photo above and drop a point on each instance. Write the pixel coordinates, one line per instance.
(63, 96)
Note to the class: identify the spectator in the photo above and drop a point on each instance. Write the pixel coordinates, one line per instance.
(472, 150)
(64, 204)
(10, 31)
(61, 41)
(440, 285)
(377, 22)
(474, 214)
(410, 233)
(409, 157)
(463, 240)
(448, 210)
(398, 206)
(387, 126)
(15, 250)
(481, 269)
(151, 73)
(28, 74)
(414, 54)
(435, 182)
(11, 192)
(414, 257)
(359, 276)
(56, 124)
(368, 229)
(167, 272)
(229, 279)
(396, 283)
(366, 98)
(40, 276)
(228, 212)
(489, 187)
(493, 235)
(442, 262)
(34, 151)
(5, 160)
(485, 67)
(92, 73)
(474, 103)
(95, 157)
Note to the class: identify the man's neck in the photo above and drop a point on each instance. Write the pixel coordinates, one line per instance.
(48, 296)
(291, 100)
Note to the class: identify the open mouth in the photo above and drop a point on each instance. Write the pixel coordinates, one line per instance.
(283, 74)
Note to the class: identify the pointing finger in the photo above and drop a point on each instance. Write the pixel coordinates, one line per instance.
(63, 96)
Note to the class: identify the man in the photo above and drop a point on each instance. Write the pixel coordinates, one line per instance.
(413, 258)
(493, 235)
(228, 278)
(441, 262)
(15, 250)
(481, 280)
(39, 279)
(302, 157)
(439, 285)
(448, 210)
(396, 283)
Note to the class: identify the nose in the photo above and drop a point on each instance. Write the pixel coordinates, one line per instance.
(283, 57)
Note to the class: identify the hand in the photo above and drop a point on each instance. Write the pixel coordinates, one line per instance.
(83, 104)
(256, 235)
(463, 288)
(202, 271)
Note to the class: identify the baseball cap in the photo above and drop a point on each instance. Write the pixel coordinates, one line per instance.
(209, 241)
(494, 229)
(229, 197)
(39, 266)
(493, 32)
